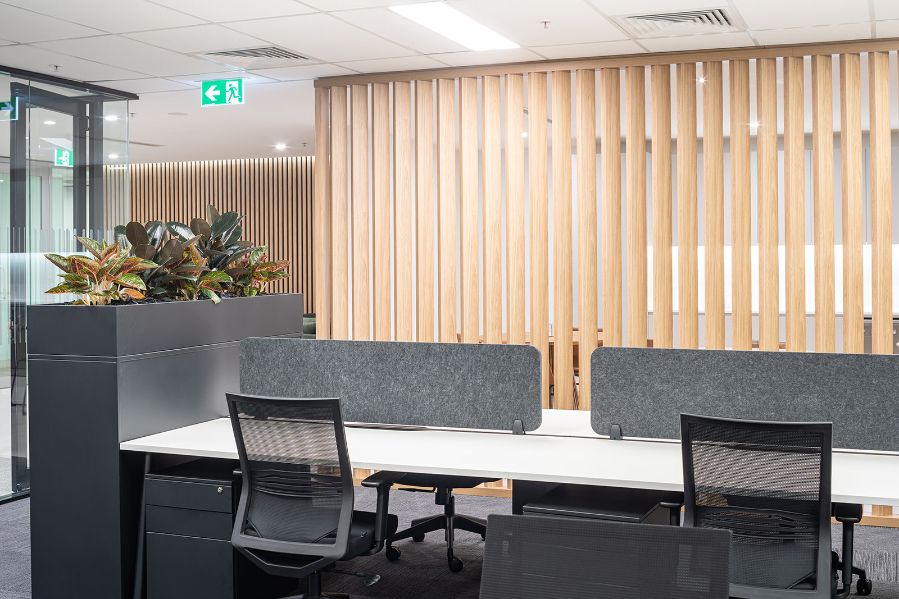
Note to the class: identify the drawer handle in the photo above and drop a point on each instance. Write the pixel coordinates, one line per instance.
(220, 490)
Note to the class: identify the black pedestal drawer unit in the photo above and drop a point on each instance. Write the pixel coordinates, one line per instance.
(189, 515)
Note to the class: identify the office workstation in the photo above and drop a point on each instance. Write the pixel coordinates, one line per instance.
(468, 298)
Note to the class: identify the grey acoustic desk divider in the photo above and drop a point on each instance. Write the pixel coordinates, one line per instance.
(642, 391)
(494, 387)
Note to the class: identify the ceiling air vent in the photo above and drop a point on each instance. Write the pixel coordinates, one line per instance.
(710, 20)
(256, 58)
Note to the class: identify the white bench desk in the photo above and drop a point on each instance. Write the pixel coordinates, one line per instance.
(563, 450)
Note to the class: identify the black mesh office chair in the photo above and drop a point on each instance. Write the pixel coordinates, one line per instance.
(295, 516)
(537, 557)
(769, 484)
(449, 521)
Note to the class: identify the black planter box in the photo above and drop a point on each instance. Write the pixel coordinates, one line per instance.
(100, 375)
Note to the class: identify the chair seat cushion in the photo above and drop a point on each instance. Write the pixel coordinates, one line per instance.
(440, 480)
(362, 533)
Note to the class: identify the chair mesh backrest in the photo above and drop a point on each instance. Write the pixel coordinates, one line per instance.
(769, 484)
(294, 458)
(537, 557)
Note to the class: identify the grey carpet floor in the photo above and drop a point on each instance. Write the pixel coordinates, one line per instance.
(421, 571)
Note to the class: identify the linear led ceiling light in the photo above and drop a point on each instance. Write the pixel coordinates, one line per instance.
(450, 23)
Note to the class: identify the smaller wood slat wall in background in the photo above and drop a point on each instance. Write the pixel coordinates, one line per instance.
(274, 196)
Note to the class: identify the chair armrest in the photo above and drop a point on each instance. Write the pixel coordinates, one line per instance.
(382, 478)
(382, 481)
(847, 513)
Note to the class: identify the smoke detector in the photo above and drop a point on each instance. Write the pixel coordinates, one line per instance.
(688, 22)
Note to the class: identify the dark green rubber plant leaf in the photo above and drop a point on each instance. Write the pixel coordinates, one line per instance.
(224, 224)
(156, 231)
(201, 227)
(136, 234)
(180, 230)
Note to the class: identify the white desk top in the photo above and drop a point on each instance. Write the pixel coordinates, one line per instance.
(564, 450)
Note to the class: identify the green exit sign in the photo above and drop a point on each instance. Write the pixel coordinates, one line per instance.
(9, 110)
(221, 91)
(63, 157)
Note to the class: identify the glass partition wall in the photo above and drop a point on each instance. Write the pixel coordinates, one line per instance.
(57, 140)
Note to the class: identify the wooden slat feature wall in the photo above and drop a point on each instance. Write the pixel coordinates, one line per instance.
(741, 207)
(469, 207)
(446, 209)
(585, 102)
(853, 203)
(538, 192)
(636, 208)
(766, 108)
(403, 211)
(713, 201)
(380, 210)
(322, 212)
(687, 212)
(361, 224)
(794, 200)
(274, 195)
(662, 302)
(881, 203)
(881, 212)
(424, 213)
(515, 207)
(493, 210)
(610, 215)
(339, 215)
(822, 175)
(563, 375)
(483, 250)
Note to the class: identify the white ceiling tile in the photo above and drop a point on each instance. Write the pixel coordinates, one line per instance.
(468, 58)
(807, 35)
(112, 17)
(249, 78)
(200, 38)
(774, 14)
(571, 21)
(313, 71)
(386, 65)
(130, 54)
(221, 11)
(585, 50)
(24, 26)
(642, 7)
(321, 36)
(388, 24)
(334, 5)
(887, 28)
(41, 61)
(697, 42)
(885, 9)
(145, 86)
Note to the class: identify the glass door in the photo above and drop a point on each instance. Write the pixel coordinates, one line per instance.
(53, 182)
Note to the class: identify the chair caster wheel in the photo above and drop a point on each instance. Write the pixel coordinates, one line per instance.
(455, 564)
(393, 554)
(419, 537)
(863, 586)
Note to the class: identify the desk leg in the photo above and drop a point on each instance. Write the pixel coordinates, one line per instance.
(139, 566)
(524, 491)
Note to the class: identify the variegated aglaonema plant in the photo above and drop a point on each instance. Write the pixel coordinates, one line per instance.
(180, 262)
(110, 275)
